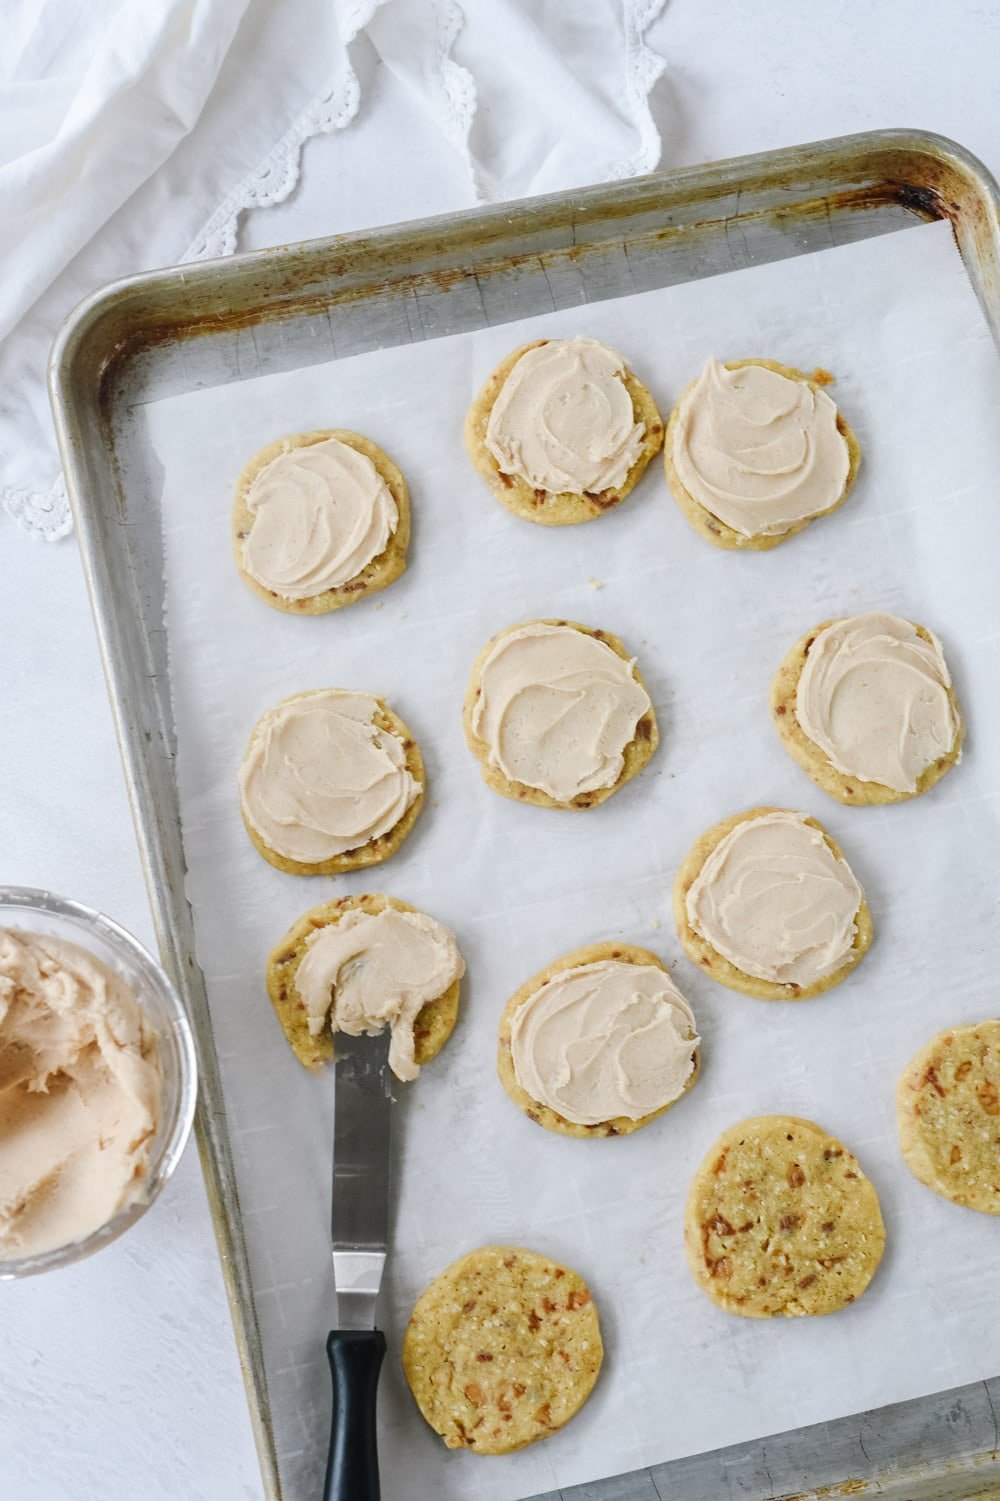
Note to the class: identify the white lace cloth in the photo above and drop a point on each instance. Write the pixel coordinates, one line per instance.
(136, 135)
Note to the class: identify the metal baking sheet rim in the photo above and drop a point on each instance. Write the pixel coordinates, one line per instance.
(938, 1448)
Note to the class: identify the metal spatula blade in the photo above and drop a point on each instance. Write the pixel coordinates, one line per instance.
(359, 1228)
(359, 1238)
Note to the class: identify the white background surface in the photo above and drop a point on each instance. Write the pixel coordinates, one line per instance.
(896, 318)
(119, 1377)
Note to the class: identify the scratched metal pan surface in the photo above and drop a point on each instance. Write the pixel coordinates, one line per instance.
(198, 326)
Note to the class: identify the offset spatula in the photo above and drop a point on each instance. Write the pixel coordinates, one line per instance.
(360, 1233)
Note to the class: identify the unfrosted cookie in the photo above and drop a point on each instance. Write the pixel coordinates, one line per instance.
(502, 1349)
(780, 1219)
(766, 903)
(755, 451)
(599, 1043)
(558, 714)
(360, 964)
(320, 520)
(948, 1107)
(562, 431)
(331, 781)
(866, 706)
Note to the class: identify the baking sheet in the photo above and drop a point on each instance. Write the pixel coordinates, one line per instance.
(918, 378)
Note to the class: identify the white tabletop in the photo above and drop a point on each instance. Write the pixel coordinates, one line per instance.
(119, 1378)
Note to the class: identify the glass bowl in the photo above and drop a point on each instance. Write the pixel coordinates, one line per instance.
(36, 911)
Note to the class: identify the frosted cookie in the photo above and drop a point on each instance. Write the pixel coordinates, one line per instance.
(599, 1043)
(558, 714)
(767, 904)
(866, 706)
(562, 431)
(330, 781)
(319, 521)
(755, 451)
(780, 1219)
(359, 965)
(948, 1107)
(502, 1349)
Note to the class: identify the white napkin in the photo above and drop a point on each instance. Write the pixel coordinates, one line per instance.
(124, 126)
(137, 80)
(134, 133)
(538, 95)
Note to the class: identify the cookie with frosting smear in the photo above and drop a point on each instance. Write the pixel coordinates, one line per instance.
(359, 965)
(563, 431)
(765, 903)
(755, 451)
(558, 715)
(865, 704)
(330, 781)
(599, 1043)
(320, 520)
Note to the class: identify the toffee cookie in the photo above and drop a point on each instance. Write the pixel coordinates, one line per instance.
(558, 715)
(755, 450)
(780, 1219)
(766, 903)
(359, 965)
(599, 1043)
(502, 1349)
(320, 520)
(330, 781)
(865, 705)
(562, 431)
(948, 1107)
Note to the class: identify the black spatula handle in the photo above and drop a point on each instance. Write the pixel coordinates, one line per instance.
(355, 1361)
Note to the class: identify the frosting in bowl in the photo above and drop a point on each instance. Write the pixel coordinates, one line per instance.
(321, 777)
(563, 420)
(321, 512)
(604, 1040)
(874, 695)
(369, 971)
(80, 1091)
(556, 709)
(759, 450)
(774, 899)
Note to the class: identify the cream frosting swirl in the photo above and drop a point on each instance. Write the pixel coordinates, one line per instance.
(370, 970)
(80, 1093)
(759, 450)
(556, 709)
(563, 420)
(604, 1040)
(321, 513)
(775, 900)
(874, 696)
(320, 777)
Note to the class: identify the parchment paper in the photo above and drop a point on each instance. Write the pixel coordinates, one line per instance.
(918, 377)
